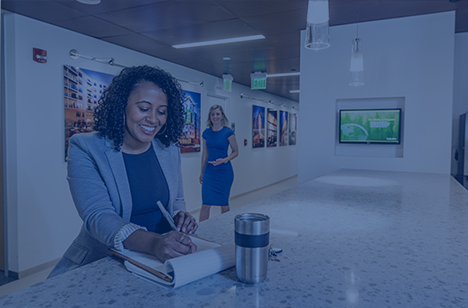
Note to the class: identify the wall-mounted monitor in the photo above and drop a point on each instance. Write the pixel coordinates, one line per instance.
(370, 126)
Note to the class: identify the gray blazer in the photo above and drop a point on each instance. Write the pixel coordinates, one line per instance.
(101, 192)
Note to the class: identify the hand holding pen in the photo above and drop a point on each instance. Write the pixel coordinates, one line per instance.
(175, 244)
(163, 246)
(184, 222)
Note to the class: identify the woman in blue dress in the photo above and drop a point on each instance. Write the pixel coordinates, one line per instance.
(216, 174)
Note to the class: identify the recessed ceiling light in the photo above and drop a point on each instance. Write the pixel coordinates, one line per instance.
(295, 91)
(89, 1)
(284, 74)
(223, 41)
(226, 58)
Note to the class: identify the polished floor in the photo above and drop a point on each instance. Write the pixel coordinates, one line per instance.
(236, 202)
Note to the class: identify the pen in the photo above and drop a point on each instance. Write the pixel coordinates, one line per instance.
(171, 221)
(167, 216)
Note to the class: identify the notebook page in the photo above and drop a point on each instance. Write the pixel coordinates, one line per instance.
(201, 264)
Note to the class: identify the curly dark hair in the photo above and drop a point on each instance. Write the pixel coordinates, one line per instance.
(109, 114)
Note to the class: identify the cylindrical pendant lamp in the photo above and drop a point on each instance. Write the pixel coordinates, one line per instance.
(317, 36)
(356, 77)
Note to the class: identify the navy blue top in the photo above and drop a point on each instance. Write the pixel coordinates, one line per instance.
(147, 186)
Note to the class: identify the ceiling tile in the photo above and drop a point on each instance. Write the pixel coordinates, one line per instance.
(201, 65)
(246, 8)
(47, 11)
(167, 14)
(106, 5)
(283, 39)
(170, 54)
(282, 22)
(92, 26)
(135, 41)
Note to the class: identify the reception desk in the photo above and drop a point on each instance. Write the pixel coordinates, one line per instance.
(350, 239)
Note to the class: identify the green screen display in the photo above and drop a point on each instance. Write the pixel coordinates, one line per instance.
(370, 126)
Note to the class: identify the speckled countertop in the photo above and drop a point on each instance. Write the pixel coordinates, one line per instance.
(350, 239)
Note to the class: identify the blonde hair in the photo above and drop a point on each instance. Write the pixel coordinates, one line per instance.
(224, 121)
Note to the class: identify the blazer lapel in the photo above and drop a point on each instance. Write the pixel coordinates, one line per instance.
(117, 165)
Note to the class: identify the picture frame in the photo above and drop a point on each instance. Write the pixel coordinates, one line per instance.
(283, 138)
(272, 127)
(292, 129)
(191, 135)
(258, 126)
(82, 89)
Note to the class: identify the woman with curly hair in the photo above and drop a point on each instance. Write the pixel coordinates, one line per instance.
(119, 172)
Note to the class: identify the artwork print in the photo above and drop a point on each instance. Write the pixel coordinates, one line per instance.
(190, 140)
(258, 126)
(283, 128)
(82, 90)
(272, 127)
(292, 128)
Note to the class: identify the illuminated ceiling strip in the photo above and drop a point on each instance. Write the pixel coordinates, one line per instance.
(295, 91)
(284, 74)
(223, 41)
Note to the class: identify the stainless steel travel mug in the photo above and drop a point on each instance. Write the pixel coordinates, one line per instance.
(252, 239)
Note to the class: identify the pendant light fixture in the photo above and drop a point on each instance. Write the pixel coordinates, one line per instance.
(317, 36)
(356, 76)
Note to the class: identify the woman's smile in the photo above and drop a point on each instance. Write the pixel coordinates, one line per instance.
(148, 129)
(145, 115)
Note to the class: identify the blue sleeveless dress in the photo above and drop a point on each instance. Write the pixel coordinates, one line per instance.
(217, 180)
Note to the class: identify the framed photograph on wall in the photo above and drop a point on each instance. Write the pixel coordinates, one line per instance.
(190, 140)
(292, 128)
(283, 128)
(272, 127)
(82, 90)
(258, 126)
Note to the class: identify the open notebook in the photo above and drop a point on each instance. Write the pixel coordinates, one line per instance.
(209, 259)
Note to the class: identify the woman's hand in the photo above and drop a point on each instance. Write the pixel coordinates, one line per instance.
(219, 161)
(163, 247)
(185, 222)
(172, 245)
(201, 178)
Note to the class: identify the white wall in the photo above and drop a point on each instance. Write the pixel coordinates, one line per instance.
(460, 90)
(42, 220)
(410, 58)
